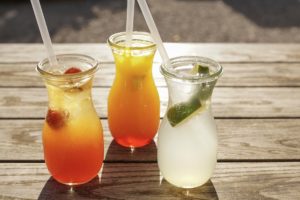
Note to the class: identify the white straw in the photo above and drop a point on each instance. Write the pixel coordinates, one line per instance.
(129, 21)
(44, 31)
(154, 32)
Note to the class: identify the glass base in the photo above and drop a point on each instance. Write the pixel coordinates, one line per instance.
(187, 186)
(73, 183)
(135, 144)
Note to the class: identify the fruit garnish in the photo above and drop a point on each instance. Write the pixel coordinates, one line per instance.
(73, 70)
(56, 118)
(181, 111)
(202, 69)
(178, 112)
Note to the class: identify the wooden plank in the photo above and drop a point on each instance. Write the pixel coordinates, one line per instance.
(25, 75)
(235, 74)
(231, 181)
(260, 74)
(227, 102)
(239, 139)
(228, 52)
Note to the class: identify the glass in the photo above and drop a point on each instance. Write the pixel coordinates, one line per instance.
(133, 102)
(187, 138)
(72, 133)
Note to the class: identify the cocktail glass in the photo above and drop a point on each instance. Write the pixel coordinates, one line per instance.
(72, 133)
(187, 137)
(133, 102)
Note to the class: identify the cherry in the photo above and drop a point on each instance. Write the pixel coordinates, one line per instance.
(56, 119)
(73, 70)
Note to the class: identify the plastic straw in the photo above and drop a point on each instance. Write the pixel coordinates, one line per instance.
(154, 32)
(44, 31)
(129, 21)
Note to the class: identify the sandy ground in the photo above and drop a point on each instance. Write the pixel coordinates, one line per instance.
(177, 20)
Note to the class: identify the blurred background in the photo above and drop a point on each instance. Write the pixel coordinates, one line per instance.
(75, 21)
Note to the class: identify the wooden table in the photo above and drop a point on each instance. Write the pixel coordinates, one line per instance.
(256, 105)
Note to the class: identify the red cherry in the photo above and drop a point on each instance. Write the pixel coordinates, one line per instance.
(56, 119)
(73, 70)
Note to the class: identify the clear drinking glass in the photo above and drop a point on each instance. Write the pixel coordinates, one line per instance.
(187, 137)
(72, 133)
(133, 102)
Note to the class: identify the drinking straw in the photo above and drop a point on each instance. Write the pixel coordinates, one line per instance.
(129, 21)
(154, 31)
(37, 9)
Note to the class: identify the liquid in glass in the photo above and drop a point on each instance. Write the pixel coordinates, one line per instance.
(72, 132)
(133, 102)
(187, 138)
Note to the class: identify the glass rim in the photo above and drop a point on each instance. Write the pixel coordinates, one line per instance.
(88, 59)
(112, 43)
(171, 73)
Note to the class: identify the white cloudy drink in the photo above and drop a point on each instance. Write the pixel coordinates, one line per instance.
(188, 153)
(187, 137)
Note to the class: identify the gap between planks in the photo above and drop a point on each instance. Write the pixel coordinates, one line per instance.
(155, 62)
(105, 118)
(161, 86)
(154, 161)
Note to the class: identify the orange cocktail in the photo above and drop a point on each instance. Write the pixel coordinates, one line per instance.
(133, 102)
(72, 133)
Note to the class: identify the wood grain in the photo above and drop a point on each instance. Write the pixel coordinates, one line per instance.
(256, 102)
(221, 52)
(227, 102)
(235, 74)
(231, 181)
(239, 139)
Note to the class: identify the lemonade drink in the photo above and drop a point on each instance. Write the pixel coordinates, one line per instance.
(133, 102)
(72, 133)
(187, 138)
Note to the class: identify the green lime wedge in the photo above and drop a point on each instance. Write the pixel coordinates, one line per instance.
(181, 111)
(202, 69)
(199, 69)
(178, 112)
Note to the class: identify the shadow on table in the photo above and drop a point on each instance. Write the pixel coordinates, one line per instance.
(127, 180)
(206, 191)
(269, 13)
(141, 180)
(117, 153)
(56, 190)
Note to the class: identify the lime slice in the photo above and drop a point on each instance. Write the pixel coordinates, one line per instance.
(181, 111)
(202, 69)
(199, 69)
